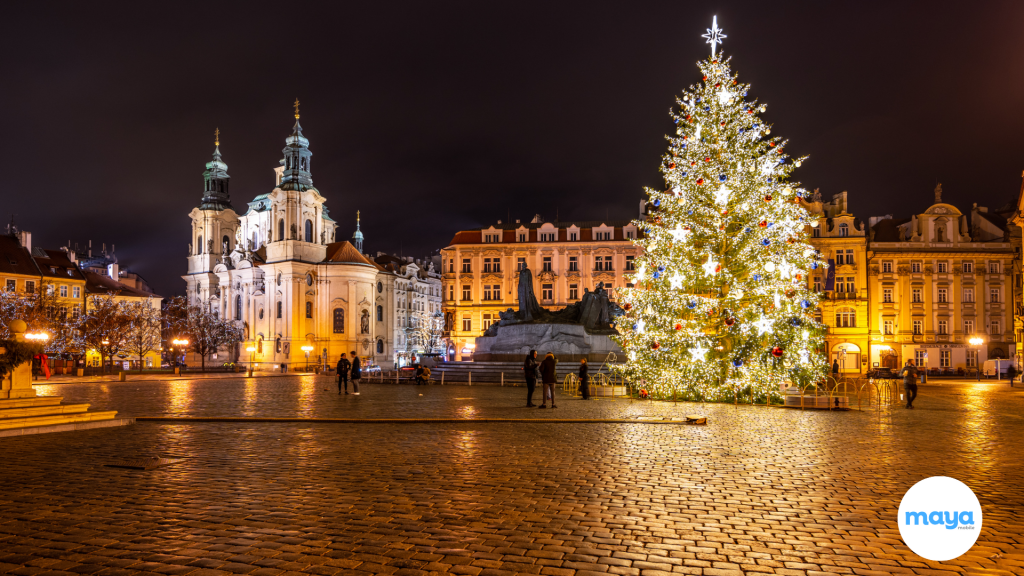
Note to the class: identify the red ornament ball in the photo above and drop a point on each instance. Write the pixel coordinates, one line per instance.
(694, 163)
(705, 78)
(679, 326)
(643, 393)
(655, 345)
(718, 84)
(707, 159)
(777, 352)
(627, 306)
(700, 181)
(725, 212)
(672, 166)
(763, 223)
(768, 198)
(730, 321)
(772, 144)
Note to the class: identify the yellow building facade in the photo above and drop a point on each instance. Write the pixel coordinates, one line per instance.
(937, 280)
(841, 240)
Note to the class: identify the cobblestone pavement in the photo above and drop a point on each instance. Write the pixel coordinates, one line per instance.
(757, 490)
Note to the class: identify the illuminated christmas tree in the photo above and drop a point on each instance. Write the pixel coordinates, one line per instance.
(720, 304)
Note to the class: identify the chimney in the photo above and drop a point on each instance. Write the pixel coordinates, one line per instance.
(499, 221)
(26, 239)
(72, 256)
(537, 219)
(112, 271)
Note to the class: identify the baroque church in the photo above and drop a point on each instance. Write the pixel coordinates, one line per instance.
(279, 270)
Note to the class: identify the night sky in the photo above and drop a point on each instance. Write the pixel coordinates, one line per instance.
(432, 117)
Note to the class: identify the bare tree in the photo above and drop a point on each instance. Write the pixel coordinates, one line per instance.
(206, 333)
(105, 326)
(143, 328)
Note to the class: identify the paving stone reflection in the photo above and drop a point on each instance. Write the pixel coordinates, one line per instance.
(757, 490)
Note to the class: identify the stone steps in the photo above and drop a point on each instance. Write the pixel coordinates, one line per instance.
(39, 414)
(47, 410)
(57, 419)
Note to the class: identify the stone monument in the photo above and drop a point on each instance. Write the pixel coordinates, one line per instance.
(579, 330)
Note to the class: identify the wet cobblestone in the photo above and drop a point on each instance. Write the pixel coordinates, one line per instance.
(757, 490)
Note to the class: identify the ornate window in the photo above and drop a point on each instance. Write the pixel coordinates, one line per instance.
(199, 248)
(280, 229)
(846, 318)
(339, 320)
(380, 346)
(309, 231)
(380, 313)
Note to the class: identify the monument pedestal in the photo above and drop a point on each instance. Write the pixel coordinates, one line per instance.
(566, 341)
(17, 384)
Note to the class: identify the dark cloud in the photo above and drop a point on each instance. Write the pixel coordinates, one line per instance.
(430, 117)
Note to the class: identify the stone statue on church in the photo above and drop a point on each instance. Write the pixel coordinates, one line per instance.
(364, 322)
(295, 232)
(209, 246)
(529, 309)
(323, 236)
(189, 248)
(938, 193)
(224, 246)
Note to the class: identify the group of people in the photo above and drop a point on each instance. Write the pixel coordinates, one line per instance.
(346, 370)
(545, 371)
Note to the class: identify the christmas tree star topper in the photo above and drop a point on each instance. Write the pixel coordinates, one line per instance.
(714, 34)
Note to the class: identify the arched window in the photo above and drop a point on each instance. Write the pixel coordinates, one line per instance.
(846, 318)
(309, 309)
(844, 229)
(380, 313)
(280, 229)
(279, 307)
(309, 230)
(226, 243)
(380, 346)
(238, 307)
(339, 320)
(255, 240)
(199, 248)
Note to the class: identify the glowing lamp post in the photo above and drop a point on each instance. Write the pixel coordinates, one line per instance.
(307, 349)
(250, 350)
(179, 343)
(977, 342)
(40, 337)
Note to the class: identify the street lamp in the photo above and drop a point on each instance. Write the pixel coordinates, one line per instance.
(977, 341)
(179, 343)
(37, 337)
(307, 349)
(250, 350)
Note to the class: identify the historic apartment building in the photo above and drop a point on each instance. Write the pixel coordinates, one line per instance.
(414, 318)
(481, 269)
(841, 239)
(917, 288)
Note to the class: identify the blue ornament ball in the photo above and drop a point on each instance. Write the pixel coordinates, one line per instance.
(757, 276)
(747, 230)
(691, 304)
(661, 268)
(741, 129)
(766, 242)
(814, 265)
(707, 108)
(657, 202)
(722, 178)
(805, 304)
(682, 174)
(690, 213)
(737, 362)
(656, 274)
(635, 327)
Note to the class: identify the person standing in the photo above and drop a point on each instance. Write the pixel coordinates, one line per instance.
(343, 367)
(530, 373)
(548, 377)
(584, 379)
(909, 374)
(357, 373)
(835, 369)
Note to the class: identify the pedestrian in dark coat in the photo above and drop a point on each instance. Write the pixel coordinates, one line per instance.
(357, 373)
(343, 367)
(584, 379)
(835, 369)
(909, 374)
(548, 379)
(530, 373)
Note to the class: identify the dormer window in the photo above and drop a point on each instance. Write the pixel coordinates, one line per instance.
(547, 237)
(844, 229)
(490, 238)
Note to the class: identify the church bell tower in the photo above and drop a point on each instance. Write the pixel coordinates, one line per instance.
(296, 175)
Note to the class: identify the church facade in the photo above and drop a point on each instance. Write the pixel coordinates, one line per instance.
(280, 271)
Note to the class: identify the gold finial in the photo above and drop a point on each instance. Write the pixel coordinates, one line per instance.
(357, 216)
(216, 137)
(296, 108)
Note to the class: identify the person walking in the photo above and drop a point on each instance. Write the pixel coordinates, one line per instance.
(357, 373)
(584, 379)
(343, 367)
(530, 373)
(909, 374)
(548, 377)
(835, 369)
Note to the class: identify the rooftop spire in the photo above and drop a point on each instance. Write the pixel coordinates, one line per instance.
(357, 236)
(296, 105)
(216, 137)
(215, 192)
(296, 175)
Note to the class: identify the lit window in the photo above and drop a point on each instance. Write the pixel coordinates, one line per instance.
(76, 292)
(846, 318)
(63, 291)
(944, 358)
(887, 326)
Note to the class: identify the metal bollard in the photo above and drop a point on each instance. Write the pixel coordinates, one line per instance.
(470, 378)
(442, 378)
(503, 379)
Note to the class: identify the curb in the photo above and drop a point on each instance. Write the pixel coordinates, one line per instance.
(184, 420)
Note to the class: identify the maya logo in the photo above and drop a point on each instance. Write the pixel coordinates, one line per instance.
(948, 519)
(939, 518)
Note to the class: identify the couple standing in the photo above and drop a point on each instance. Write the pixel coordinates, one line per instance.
(345, 369)
(546, 371)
